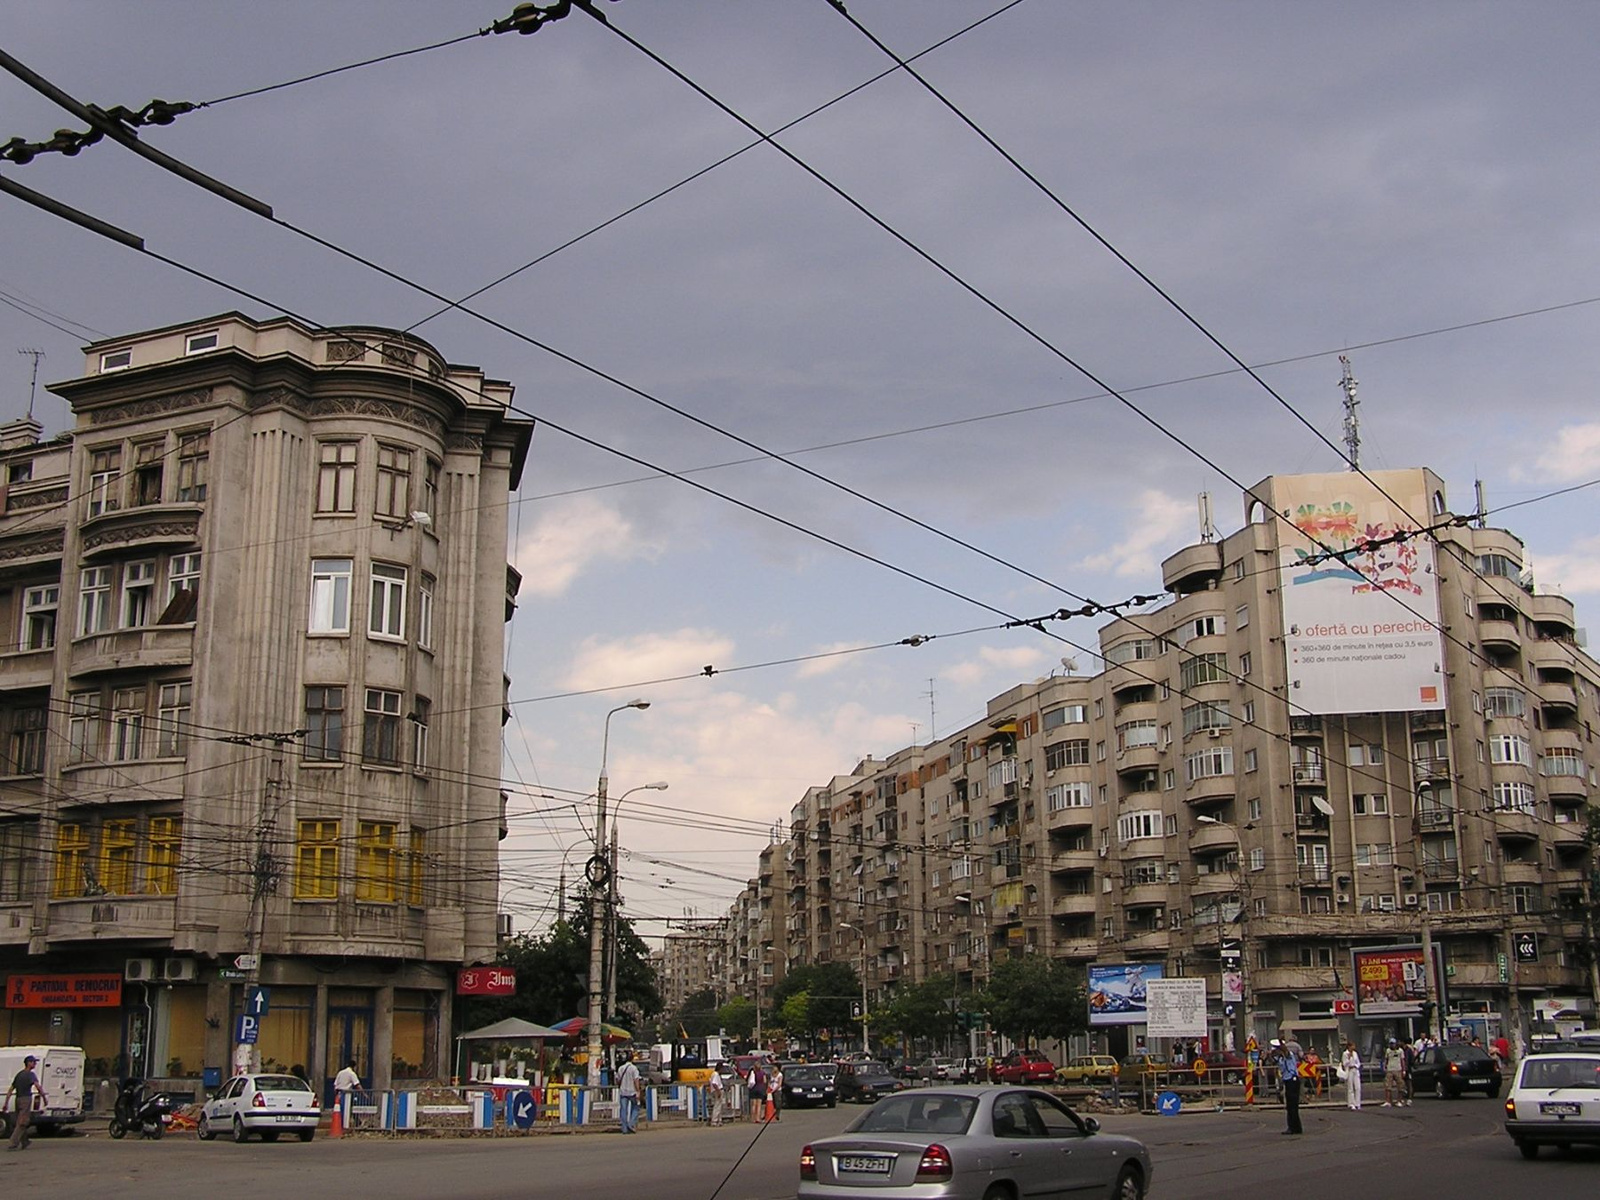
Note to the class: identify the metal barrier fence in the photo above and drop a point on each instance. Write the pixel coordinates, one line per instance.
(489, 1107)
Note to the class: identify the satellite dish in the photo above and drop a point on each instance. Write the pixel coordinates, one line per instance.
(1069, 664)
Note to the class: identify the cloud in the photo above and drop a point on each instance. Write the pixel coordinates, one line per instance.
(1011, 661)
(1574, 454)
(570, 536)
(600, 664)
(827, 666)
(1157, 525)
(1577, 570)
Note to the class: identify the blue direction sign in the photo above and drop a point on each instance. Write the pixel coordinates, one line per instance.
(247, 1030)
(255, 1001)
(1168, 1104)
(521, 1109)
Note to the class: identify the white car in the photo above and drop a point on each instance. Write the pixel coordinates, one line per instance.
(1555, 1101)
(264, 1104)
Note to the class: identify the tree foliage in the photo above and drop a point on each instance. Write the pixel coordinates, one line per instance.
(926, 1010)
(738, 1017)
(829, 987)
(1030, 997)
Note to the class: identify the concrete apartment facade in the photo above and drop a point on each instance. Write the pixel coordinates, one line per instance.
(254, 609)
(1235, 777)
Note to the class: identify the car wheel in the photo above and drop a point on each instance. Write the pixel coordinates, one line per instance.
(240, 1134)
(116, 1129)
(1130, 1186)
(204, 1129)
(998, 1191)
(1529, 1149)
(833, 1104)
(307, 1134)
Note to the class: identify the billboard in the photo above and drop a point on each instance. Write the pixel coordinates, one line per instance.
(1176, 1008)
(1390, 981)
(1361, 631)
(63, 991)
(1117, 992)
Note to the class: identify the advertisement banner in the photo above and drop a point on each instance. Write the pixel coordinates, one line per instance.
(1117, 992)
(1390, 981)
(486, 981)
(1176, 1008)
(1361, 630)
(1233, 987)
(64, 991)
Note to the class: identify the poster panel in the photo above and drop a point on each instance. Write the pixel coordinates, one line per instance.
(1390, 981)
(1361, 631)
(1117, 992)
(1176, 1008)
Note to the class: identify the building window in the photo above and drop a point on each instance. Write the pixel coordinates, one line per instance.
(387, 615)
(72, 861)
(1210, 715)
(380, 735)
(416, 865)
(1201, 627)
(377, 862)
(1510, 748)
(119, 841)
(199, 343)
(1241, 616)
(330, 595)
(172, 719)
(1258, 859)
(1208, 763)
(94, 601)
(336, 477)
(1136, 734)
(1068, 714)
(419, 734)
(25, 752)
(1253, 808)
(394, 482)
(1244, 664)
(1202, 668)
(83, 726)
(316, 860)
(149, 461)
(194, 457)
(1169, 780)
(138, 593)
(1249, 714)
(1073, 753)
(1562, 760)
(324, 740)
(183, 588)
(127, 723)
(116, 360)
(105, 468)
(39, 608)
(1143, 824)
(1250, 762)
(1136, 650)
(1066, 795)
(1513, 797)
(425, 590)
(19, 851)
(430, 488)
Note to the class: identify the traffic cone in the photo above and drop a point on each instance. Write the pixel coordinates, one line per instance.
(336, 1130)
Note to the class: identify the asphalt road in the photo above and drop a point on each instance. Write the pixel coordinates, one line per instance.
(1434, 1149)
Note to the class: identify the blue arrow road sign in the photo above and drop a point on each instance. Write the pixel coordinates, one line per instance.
(1168, 1104)
(247, 1030)
(255, 1001)
(522, 1109)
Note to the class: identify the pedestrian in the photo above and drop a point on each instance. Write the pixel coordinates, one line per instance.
(1394, 1075)
(1410, 1052)
(1289, 1056)
(1350, 1070)
(24, 1087)
(717, 1092)
(758, 1090)
(630, 1087)
(345, 1085)
(774, 1092)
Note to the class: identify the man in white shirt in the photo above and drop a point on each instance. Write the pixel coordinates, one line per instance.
(345, 1084)
(628, 1088)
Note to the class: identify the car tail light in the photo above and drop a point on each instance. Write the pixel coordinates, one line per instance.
(315, 1103)
(808, 1164)
(935, 1164)
(1511, 1109)
(1455, 1068)
(258, 1101)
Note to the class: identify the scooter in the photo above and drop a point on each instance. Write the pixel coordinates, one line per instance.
(139, 1110)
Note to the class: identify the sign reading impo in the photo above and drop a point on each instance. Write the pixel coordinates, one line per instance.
(486, 981)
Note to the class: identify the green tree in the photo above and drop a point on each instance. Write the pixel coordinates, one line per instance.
(697, 1017)
(795, 1013)
(925, 1010)
(1031, 997)
(829, 988)
(738, 1017)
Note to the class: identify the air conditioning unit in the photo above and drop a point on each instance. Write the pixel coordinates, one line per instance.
(1216, 733)
(1411, 900)
(179, 970)
(502, 925)
(1344, 897)
(139, 970)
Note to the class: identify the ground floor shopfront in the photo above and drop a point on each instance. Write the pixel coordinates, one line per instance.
(393, 1020)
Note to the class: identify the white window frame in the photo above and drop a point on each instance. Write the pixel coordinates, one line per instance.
(330, 595)
(425, 591)
(173, 706)
(94, 601)
(139, 594)
(200, 343)
(183, 575)
(41, 616)
(386, 616)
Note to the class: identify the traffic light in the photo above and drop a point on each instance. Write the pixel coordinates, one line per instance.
(1427, 1013)
(855, 1010)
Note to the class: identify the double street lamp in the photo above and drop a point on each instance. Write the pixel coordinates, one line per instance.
(866, 1048)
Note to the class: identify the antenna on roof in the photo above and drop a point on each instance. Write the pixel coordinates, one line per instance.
(1208, 529)
(33, 386)
(1352, 418)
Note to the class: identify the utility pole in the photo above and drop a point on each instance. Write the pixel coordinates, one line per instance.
(263, 882)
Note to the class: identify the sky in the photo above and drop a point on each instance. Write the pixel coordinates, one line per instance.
(902, 314)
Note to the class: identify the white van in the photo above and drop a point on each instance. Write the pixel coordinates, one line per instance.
(60, 1072)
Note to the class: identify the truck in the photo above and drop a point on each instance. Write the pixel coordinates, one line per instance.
(60, 1072)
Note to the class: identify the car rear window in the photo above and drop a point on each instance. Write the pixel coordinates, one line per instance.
(806, 1074)
(922, 1112)
(281, 1083)
(1549, 1071)
(1463, 1053)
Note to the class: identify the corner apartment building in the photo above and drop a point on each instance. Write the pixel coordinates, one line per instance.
(1298, 755)
(252, 610)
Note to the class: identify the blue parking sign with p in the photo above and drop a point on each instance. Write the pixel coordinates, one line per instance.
(247, 1030)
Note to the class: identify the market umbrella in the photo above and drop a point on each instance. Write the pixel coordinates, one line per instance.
(575, 1028)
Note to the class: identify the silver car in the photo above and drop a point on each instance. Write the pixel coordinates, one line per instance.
(973, 1144)
(268, 1104)
(1554, 1101)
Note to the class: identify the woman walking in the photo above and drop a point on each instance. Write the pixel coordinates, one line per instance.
(1350, 1068)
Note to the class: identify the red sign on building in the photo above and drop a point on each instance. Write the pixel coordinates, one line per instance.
(64, 991)
(486, 981)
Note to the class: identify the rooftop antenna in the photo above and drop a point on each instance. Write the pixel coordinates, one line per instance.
(33, 386)
(1479, 517)
(933, 715)
(1208, 528)
(1352, 418)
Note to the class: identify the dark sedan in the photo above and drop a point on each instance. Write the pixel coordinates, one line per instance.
(806, 1084)
(1448, 1071)
(865, 1081)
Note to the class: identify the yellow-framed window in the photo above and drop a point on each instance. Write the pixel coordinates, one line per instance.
(316, 862)
(72, 856)
(377, 861)
(416, 865)
(166, 837)
(119, 841)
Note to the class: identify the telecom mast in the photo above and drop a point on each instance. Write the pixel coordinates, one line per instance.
(1352, 415)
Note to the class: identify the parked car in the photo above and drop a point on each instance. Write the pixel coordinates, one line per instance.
(1451, 1069)
(1022, 1067)
(993, 1141)
(968, 1070)
(865, 1082)
(1088, 1068)
(1225, 1065)
(60, 1072)
(1136, 1065)
(1554, 1101)
(935, 1069)
(264, 1104)
(808, 1084)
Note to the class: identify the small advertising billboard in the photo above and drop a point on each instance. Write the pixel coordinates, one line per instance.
(1118, 992)
(1391, 981)
(1176, 1008)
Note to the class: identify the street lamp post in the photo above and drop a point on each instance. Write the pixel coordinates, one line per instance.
(1244, 947)
(614, 926)
(596, 875)
(866, 1047)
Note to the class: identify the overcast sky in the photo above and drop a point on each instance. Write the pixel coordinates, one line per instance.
(1406, 183)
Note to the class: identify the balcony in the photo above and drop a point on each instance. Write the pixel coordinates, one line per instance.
(1513, 826)
(16, 924)
(1307, 726)
(1073, 904)
(151, 646)
(1138, 758)
(148, 527)
(1499, 635)
(1074, 860)
(1208, 836)
(27, 669)
(94, 918)
(1521, 873)
(1558, 697)
(1291, 979)
(1214, 883)
(1566, 787)
(1192, 567)
(1430, 768)
(1550, 654)
(1436, 818)
(1314, 875)
(1309, 774)
(1145, 893)
(1568, 835)
(1069, 818)
(1311, 822)
(1209, 790)
(1440, 870)
(1077, 949)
